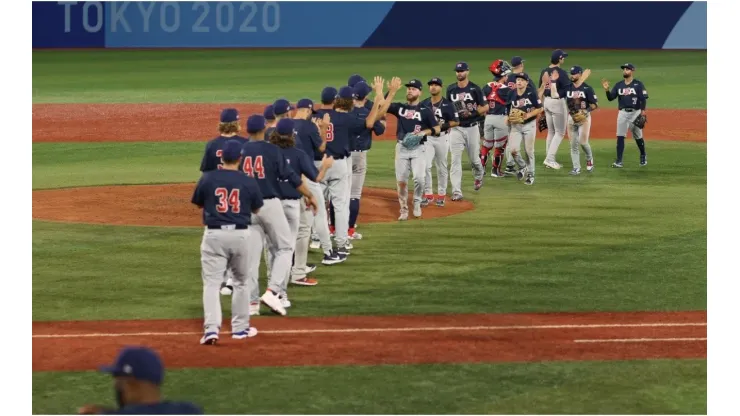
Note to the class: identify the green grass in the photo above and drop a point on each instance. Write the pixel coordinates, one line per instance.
(617, 387)
(631, 239)
(675, 79)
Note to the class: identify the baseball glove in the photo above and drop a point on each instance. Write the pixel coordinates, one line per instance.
(459, 107)
(516, 116)
(579, 116)
(640, 121)
(411, 140)
(542, 122)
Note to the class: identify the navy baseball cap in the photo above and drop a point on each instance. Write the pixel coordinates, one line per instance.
(141, 363)
(361, 90)
(229, 115)
(285, 127)
(281, 107)
(415, 83)
(269, 113)
(522, 76)
(628, 66)
(516, 61)
(461, 66)
(354, 79)
(231, 151)
(557, 54)
(328, 95)
(346, 92)
(435, 80)
(305, 103)
(576, 70)
(256, 123)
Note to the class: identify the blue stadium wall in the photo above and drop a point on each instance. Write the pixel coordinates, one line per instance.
(307, 24)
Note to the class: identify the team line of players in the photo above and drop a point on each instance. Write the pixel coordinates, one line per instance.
(268, 190)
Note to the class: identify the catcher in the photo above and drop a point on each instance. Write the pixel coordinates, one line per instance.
(524, 107)
(581, 101)
(415, 123)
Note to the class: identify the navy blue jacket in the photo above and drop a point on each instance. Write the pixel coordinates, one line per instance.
(412, 118)
(497, 96)
(364, 140)
(266, 163)
(301, 164)
(632, 95)
(309, 137)
(212, 156)
(443, 110)
(563, 81)
(580, 98)
(342, 128)
(473, 97)
(525, 102)
(227, 197)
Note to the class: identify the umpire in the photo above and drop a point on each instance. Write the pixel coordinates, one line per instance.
(138, 374)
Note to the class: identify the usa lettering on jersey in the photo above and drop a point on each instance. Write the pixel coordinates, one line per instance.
(576, 94)
(627, 91)
(465, 96)
(410, 114)
(523, 102)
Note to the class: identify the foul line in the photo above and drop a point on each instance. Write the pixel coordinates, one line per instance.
(360, 330)
(641, 340)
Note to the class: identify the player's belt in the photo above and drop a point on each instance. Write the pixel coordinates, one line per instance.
(473, 124)
(629, 110)
(361, 151)
(227, 227)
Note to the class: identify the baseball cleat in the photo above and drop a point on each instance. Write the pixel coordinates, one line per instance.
(306, 281)
(617, 164)
(643, 160)
(333, 258)
(529, 181)
(285, 301)
(417, 210)
(226, 290)
(404, 216)
(510, 171)
(343, 251)
(210, 338)
(273, 302)
(425, 202)
(348, 245)
(254, 308)
(440, 202)
(497, 173)
(589, 166)
(249, 333)
(354, 235)
(315, 244)
(575, 172)
(520, 174)
(457, 197)
(553, 165)
(310, 268)
(477, 184)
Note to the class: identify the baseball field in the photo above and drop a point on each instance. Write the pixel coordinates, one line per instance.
(577, 295)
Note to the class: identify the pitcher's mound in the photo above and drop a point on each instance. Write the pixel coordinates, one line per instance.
(169, 205)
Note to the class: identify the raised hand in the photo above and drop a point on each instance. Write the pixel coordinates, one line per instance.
(395, 84)
(326, 120)
(605, 83)
(378, 82)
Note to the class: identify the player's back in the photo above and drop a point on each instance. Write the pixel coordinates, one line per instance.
(301, 164)
(308, 138)
(225, 196)
(341, 129)
(212, 156)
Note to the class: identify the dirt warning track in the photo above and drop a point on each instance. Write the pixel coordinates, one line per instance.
(197, 122)
(66, 346)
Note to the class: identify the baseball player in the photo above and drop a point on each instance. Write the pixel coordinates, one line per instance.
(228, 199)
(343, 125)
(228, 128)
(138, 374)
(269, 114)
(517, 67)
(438, 147)
(466, 135)
(496, 128)
(265, 162)
(524, 106)
(556, 113)
(284, 138)
(359, 146)
(281, 109)
(313, 143)
(328, 95)
(632, 115)
(419, 121)
(581, 101)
